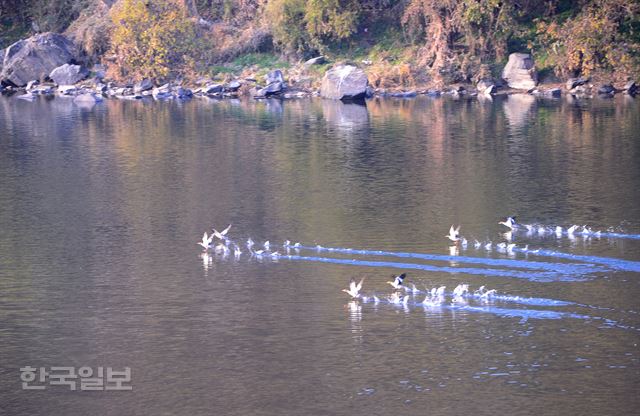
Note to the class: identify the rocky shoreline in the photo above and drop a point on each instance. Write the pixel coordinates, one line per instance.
(49, 64)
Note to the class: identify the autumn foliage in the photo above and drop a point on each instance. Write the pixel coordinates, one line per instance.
(155, 39)
(450, 40)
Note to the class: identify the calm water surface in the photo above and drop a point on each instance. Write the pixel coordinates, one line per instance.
(101, 208)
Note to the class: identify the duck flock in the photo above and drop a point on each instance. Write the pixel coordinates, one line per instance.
(572, 268)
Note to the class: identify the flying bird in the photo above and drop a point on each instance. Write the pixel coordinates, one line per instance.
(510, 222)
(454, 234)
(222, 235)
(354, 289)
(461, 290)
(397, 281)
(206, 241)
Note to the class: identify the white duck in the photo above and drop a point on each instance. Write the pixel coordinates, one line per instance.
(354, 289)
(454, 234)
(206, 241)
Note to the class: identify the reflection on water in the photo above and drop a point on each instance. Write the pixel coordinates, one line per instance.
(100, 209)
(517, 109)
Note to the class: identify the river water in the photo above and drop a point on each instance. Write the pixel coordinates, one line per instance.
(101, 208)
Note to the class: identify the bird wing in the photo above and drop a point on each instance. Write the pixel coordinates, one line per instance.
(226, 230)
(452, 231)
(204, 238)
(359, 286)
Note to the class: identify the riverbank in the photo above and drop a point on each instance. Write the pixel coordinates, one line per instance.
(51, 63)
(290, 82)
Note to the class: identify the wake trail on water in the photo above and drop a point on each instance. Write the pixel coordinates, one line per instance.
(574, 231)
(523, 314)
(610, 262)
(540, 276)
(587, 265)
(570, 268)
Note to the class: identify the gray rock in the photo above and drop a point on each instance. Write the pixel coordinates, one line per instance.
(35, 58)
(67, 89)
(162, 92)
(369, 91)
(274, 88)
(435, 93)
(553, 92)
(212, 89)
(344, 82)
(575, 82)
(32, 84)
(143, 85)
(318, 60)
(43, 90)
(2, 51)
(606, 89)
(100, 88)
(123, 91)
(581, 90)
(163, 96)
(520, 72)
(630, 88)
(233, 86)
(483, 84)
(486, 86)
(68, 74)
(183, 93)
(274, 76)
(491, 89)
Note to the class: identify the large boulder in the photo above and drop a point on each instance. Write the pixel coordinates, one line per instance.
(275, 88)
(520, 72)
(68, 74)
(35, 58)
(212, 89)
(233, 86)
(344, 82)
(274, 76)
